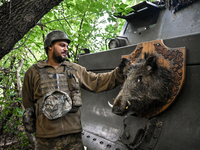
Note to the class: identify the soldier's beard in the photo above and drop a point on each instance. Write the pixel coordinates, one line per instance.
(57, 57)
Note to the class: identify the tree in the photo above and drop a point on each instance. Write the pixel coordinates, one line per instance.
(17, 17)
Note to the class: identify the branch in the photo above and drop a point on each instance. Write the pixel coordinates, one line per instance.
(82, 22)
(67, 18)
(25, 40)
(31, 52)
(42, 28)
(7, 71)
(12, 62)
(59, 21)
(64, 16)
(19, 84)
(75, 56)
(89, 35)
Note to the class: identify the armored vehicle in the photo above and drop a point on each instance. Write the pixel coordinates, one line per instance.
(175, 128)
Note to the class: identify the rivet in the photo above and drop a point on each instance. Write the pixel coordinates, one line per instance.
(109, 146)
(117, 149)
(101, 142)
(88, 136)
(94, 139)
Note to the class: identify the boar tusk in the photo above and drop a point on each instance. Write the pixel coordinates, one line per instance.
(129, 104)
(110, 104)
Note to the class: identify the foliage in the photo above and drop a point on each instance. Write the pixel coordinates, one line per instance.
(88, 23)
(85, 23)
(10, 104)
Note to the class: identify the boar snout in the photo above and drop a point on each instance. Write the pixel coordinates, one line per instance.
(120, 106)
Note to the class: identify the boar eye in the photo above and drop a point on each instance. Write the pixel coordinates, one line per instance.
(139, 79)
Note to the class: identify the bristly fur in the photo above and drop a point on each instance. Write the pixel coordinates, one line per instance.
(148, 87)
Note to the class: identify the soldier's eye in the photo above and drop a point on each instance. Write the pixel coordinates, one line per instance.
(139, 79)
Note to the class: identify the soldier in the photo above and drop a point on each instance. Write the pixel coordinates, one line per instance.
(52, 88)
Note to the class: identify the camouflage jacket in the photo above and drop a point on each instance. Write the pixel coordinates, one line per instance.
(71, 123)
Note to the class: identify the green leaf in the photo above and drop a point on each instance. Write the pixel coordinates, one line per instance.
(87, 27)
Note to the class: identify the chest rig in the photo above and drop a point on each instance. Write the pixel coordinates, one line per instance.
(61, 93)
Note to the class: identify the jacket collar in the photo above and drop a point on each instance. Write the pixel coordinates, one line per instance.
(43, 63)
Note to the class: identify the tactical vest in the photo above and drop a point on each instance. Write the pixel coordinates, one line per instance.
(60, 91)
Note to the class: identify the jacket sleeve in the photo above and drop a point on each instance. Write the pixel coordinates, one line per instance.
(98, 82)
(27, 90)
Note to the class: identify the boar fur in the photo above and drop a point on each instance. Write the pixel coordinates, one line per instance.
(147, 87)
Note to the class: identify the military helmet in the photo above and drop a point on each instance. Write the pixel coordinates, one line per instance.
(55, 35)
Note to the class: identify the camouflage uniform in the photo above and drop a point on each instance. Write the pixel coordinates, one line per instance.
(64, 142)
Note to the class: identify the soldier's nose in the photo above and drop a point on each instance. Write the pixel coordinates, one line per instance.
(66, 49)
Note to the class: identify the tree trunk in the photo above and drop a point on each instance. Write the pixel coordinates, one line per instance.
(17, 17)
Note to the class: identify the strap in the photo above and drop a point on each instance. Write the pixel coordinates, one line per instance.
(38, 104)
(68, 71)
(146, 138)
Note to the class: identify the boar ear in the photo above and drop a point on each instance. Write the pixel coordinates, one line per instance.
(123, 64)
(125, 61)
(151, 63)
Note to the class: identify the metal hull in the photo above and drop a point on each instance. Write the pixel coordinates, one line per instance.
(180, 129)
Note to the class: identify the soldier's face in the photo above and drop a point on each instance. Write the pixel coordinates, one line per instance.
(60, 50)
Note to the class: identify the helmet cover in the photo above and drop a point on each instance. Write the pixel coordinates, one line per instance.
(55, 35)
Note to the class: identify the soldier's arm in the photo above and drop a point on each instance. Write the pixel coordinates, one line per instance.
(98, 82)
(27, 90)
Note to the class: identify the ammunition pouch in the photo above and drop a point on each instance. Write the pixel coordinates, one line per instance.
(29, 120)
(56, 104)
